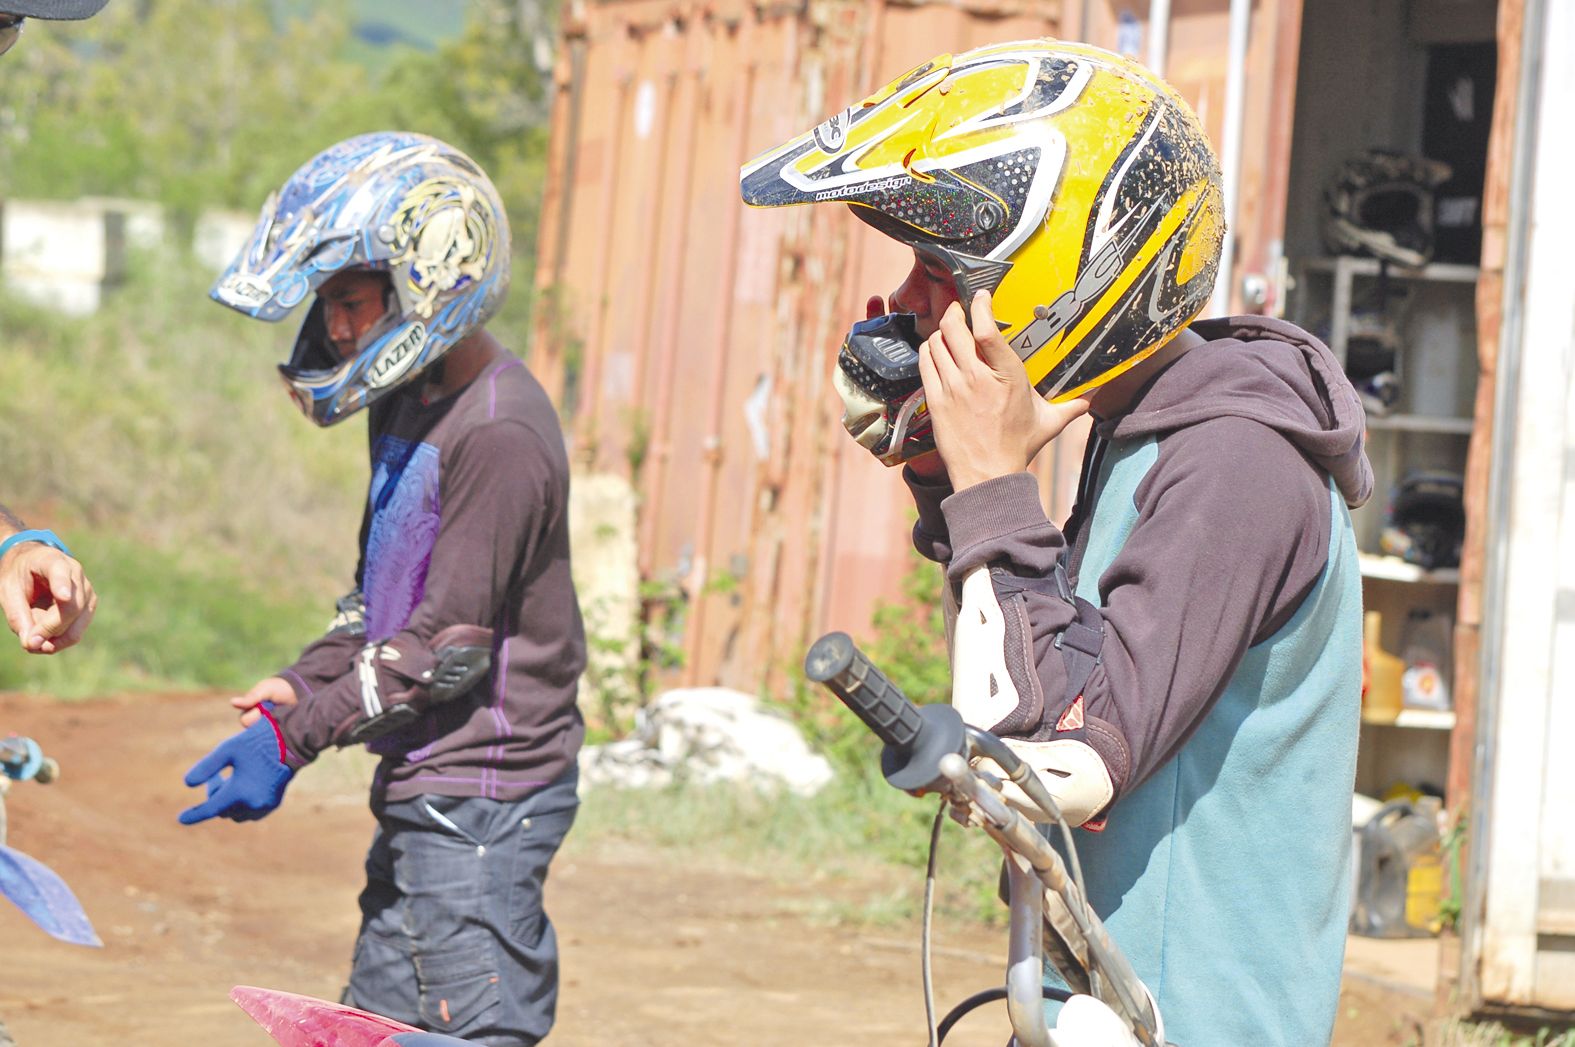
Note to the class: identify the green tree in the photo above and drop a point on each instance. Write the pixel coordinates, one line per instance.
(197, 103)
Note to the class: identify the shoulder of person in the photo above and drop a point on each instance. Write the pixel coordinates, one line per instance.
(1242, 465)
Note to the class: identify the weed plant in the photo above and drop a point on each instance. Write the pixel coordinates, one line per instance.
(1492, 1034)
(857, 830)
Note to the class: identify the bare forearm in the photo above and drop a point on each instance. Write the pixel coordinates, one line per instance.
(10, 523)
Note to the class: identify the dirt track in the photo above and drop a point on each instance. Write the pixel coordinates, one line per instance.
(654, 953)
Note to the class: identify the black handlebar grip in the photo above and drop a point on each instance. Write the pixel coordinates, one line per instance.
(835, 662)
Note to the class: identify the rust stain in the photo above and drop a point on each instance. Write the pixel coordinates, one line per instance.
(666, 306)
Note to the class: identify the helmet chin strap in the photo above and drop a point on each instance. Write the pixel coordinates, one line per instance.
(432, 379)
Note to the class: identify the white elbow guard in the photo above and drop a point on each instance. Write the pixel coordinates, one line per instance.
(984, 692)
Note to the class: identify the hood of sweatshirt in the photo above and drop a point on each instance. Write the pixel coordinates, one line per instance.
(1268, 371)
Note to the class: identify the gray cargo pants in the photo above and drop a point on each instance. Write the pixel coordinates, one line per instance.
(454, 938)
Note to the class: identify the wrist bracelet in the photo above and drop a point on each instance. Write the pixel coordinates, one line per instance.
(33, 535)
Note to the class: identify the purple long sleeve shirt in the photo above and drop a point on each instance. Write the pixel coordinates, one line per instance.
(466, 524)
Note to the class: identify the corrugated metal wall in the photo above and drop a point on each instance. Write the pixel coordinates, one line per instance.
(691, 340)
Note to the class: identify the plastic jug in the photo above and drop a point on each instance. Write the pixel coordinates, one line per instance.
(1400, 879)
(1425, 650)
(1382, 695)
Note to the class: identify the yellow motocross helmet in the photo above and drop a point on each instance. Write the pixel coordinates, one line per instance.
(1074, 185)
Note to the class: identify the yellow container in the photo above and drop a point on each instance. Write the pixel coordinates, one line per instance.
(1424, 889)
(1383, 698)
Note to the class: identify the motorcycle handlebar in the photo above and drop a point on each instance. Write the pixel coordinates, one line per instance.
(21, 759)
(916, 737)
(835, 662)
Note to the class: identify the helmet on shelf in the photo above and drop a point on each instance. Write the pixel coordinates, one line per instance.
(1381, 204)
(1426, 522)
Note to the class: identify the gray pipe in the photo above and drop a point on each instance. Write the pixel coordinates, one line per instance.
(1158, 35)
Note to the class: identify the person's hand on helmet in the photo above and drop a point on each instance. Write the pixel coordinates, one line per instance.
(274, 690)
(46, 597)
(256, 782)
(989, 421)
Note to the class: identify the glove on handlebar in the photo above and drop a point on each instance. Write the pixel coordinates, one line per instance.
(256, 782)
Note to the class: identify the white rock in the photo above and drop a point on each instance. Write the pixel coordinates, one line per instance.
(706, 735)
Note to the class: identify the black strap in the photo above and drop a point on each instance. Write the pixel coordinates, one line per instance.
(1080, 644)
(1080, 641)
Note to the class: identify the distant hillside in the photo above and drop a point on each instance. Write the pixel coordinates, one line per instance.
(422, 25)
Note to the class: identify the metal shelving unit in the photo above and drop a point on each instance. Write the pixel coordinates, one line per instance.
(1433, 309)
(1418, 423)
(1343, 271)
(1394, 569)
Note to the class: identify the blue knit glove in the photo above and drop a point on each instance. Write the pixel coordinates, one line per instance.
(255, 784)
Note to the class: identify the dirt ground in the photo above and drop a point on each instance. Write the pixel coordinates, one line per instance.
(656, 951)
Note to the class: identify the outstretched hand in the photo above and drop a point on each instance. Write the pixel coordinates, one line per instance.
(256, 782)
(46, 597)
(989, 420)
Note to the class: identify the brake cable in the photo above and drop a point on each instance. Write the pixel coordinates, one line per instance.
(929, 910)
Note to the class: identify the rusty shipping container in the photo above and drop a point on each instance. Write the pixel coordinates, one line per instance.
(690, 339)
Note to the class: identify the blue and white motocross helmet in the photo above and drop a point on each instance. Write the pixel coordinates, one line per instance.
(398, 202)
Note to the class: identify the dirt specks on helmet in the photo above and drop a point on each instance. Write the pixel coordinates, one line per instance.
(1072, 184)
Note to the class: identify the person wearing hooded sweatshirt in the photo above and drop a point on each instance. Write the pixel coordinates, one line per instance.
(1181, 659)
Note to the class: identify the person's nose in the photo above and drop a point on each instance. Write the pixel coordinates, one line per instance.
(338, 322)
(909, 297)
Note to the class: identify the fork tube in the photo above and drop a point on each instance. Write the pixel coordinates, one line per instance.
(1025, 965)
(1117, 986)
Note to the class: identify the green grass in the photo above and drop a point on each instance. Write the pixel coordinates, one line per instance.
(167, 620)
(1492, 1034)
(856, 830)
(216, 523)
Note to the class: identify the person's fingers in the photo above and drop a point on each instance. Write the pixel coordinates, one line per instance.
(14, 602)
(1065, 413)
(942, 362)
(1052, 419)
(46, 623)
(78, 627)
(272, 690)
(216, 803)
(931, 380)
(874, 307)
(958, 339)
(209, 766)
(64, 577)
(987, 334)
(250, 716)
